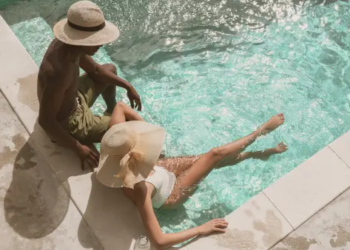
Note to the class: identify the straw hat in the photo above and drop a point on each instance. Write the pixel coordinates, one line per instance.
(128, 153)
(85, 25)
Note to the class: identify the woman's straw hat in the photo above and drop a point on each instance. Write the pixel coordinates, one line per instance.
(85, 25)
(129, 152)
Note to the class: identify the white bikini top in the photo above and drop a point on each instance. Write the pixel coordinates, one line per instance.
(163, 182)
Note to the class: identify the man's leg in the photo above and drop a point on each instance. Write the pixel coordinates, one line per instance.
(109, 96)
(91, 87)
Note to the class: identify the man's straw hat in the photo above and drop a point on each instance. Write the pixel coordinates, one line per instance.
(129, 152)
(85, 25)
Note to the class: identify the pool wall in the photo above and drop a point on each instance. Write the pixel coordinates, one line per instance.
(258, 224)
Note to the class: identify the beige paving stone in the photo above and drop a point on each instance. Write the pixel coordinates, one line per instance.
(113, 218)
(310, 186)
(28, 115)
(329, 229)
(18, 70)
(341, 147)
(63, 161)
(35, 210)
(256, 225)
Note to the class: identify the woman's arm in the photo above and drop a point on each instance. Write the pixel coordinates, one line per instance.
(161, 240)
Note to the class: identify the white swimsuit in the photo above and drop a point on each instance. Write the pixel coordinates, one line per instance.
(163, 182)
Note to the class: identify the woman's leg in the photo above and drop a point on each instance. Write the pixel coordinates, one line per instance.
(177, 165)
(202, 167)
(123, 113)
(261, 155)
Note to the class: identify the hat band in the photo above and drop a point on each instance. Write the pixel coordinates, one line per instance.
(82, 28)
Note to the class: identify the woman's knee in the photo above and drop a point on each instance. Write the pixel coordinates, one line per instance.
(110, 67)
(216, 153)
(118, 112)
(120, 105)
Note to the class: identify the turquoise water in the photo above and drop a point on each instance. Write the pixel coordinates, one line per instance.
(212, 71)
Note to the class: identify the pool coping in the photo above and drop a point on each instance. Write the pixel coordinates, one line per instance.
(260, 223)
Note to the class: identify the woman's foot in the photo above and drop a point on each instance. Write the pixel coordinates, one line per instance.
(280, 148)
(272, 124)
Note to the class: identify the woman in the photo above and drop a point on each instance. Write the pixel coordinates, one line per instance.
(129, 159)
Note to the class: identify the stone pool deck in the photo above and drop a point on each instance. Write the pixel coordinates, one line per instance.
(47, 202)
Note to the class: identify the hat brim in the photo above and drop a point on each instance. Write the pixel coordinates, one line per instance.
(150, 142)
(69, 35)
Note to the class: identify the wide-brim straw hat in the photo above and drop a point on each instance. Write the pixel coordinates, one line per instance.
(85, 25)
(129, 152)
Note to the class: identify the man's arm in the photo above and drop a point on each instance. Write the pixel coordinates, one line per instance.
(97, 72)
(50, 103)
(100, 74)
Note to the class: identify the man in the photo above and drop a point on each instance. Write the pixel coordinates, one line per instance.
(65, 98)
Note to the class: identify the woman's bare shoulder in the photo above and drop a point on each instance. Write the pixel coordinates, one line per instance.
(141, 191)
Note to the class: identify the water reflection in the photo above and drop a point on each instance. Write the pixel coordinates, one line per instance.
(178, 26)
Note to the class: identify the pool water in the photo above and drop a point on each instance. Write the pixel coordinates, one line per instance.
(213, 71)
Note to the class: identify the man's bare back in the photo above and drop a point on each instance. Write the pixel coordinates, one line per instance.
(57, 65)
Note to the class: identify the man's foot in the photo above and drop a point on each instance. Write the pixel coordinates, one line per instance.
(272, 124)
(281, 147)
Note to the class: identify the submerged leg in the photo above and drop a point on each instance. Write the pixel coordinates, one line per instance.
(202, 167)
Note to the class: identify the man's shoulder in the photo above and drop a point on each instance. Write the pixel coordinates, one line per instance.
(54, 64)
(54, 68)
(50, 72)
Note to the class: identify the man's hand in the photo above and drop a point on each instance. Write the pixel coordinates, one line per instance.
(88, 155)
(134, 98)
(101, 74)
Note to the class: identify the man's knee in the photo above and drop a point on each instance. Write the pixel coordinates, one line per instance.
(110, 89)
(110, 67)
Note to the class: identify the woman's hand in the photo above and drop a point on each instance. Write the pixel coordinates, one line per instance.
(216, 225)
